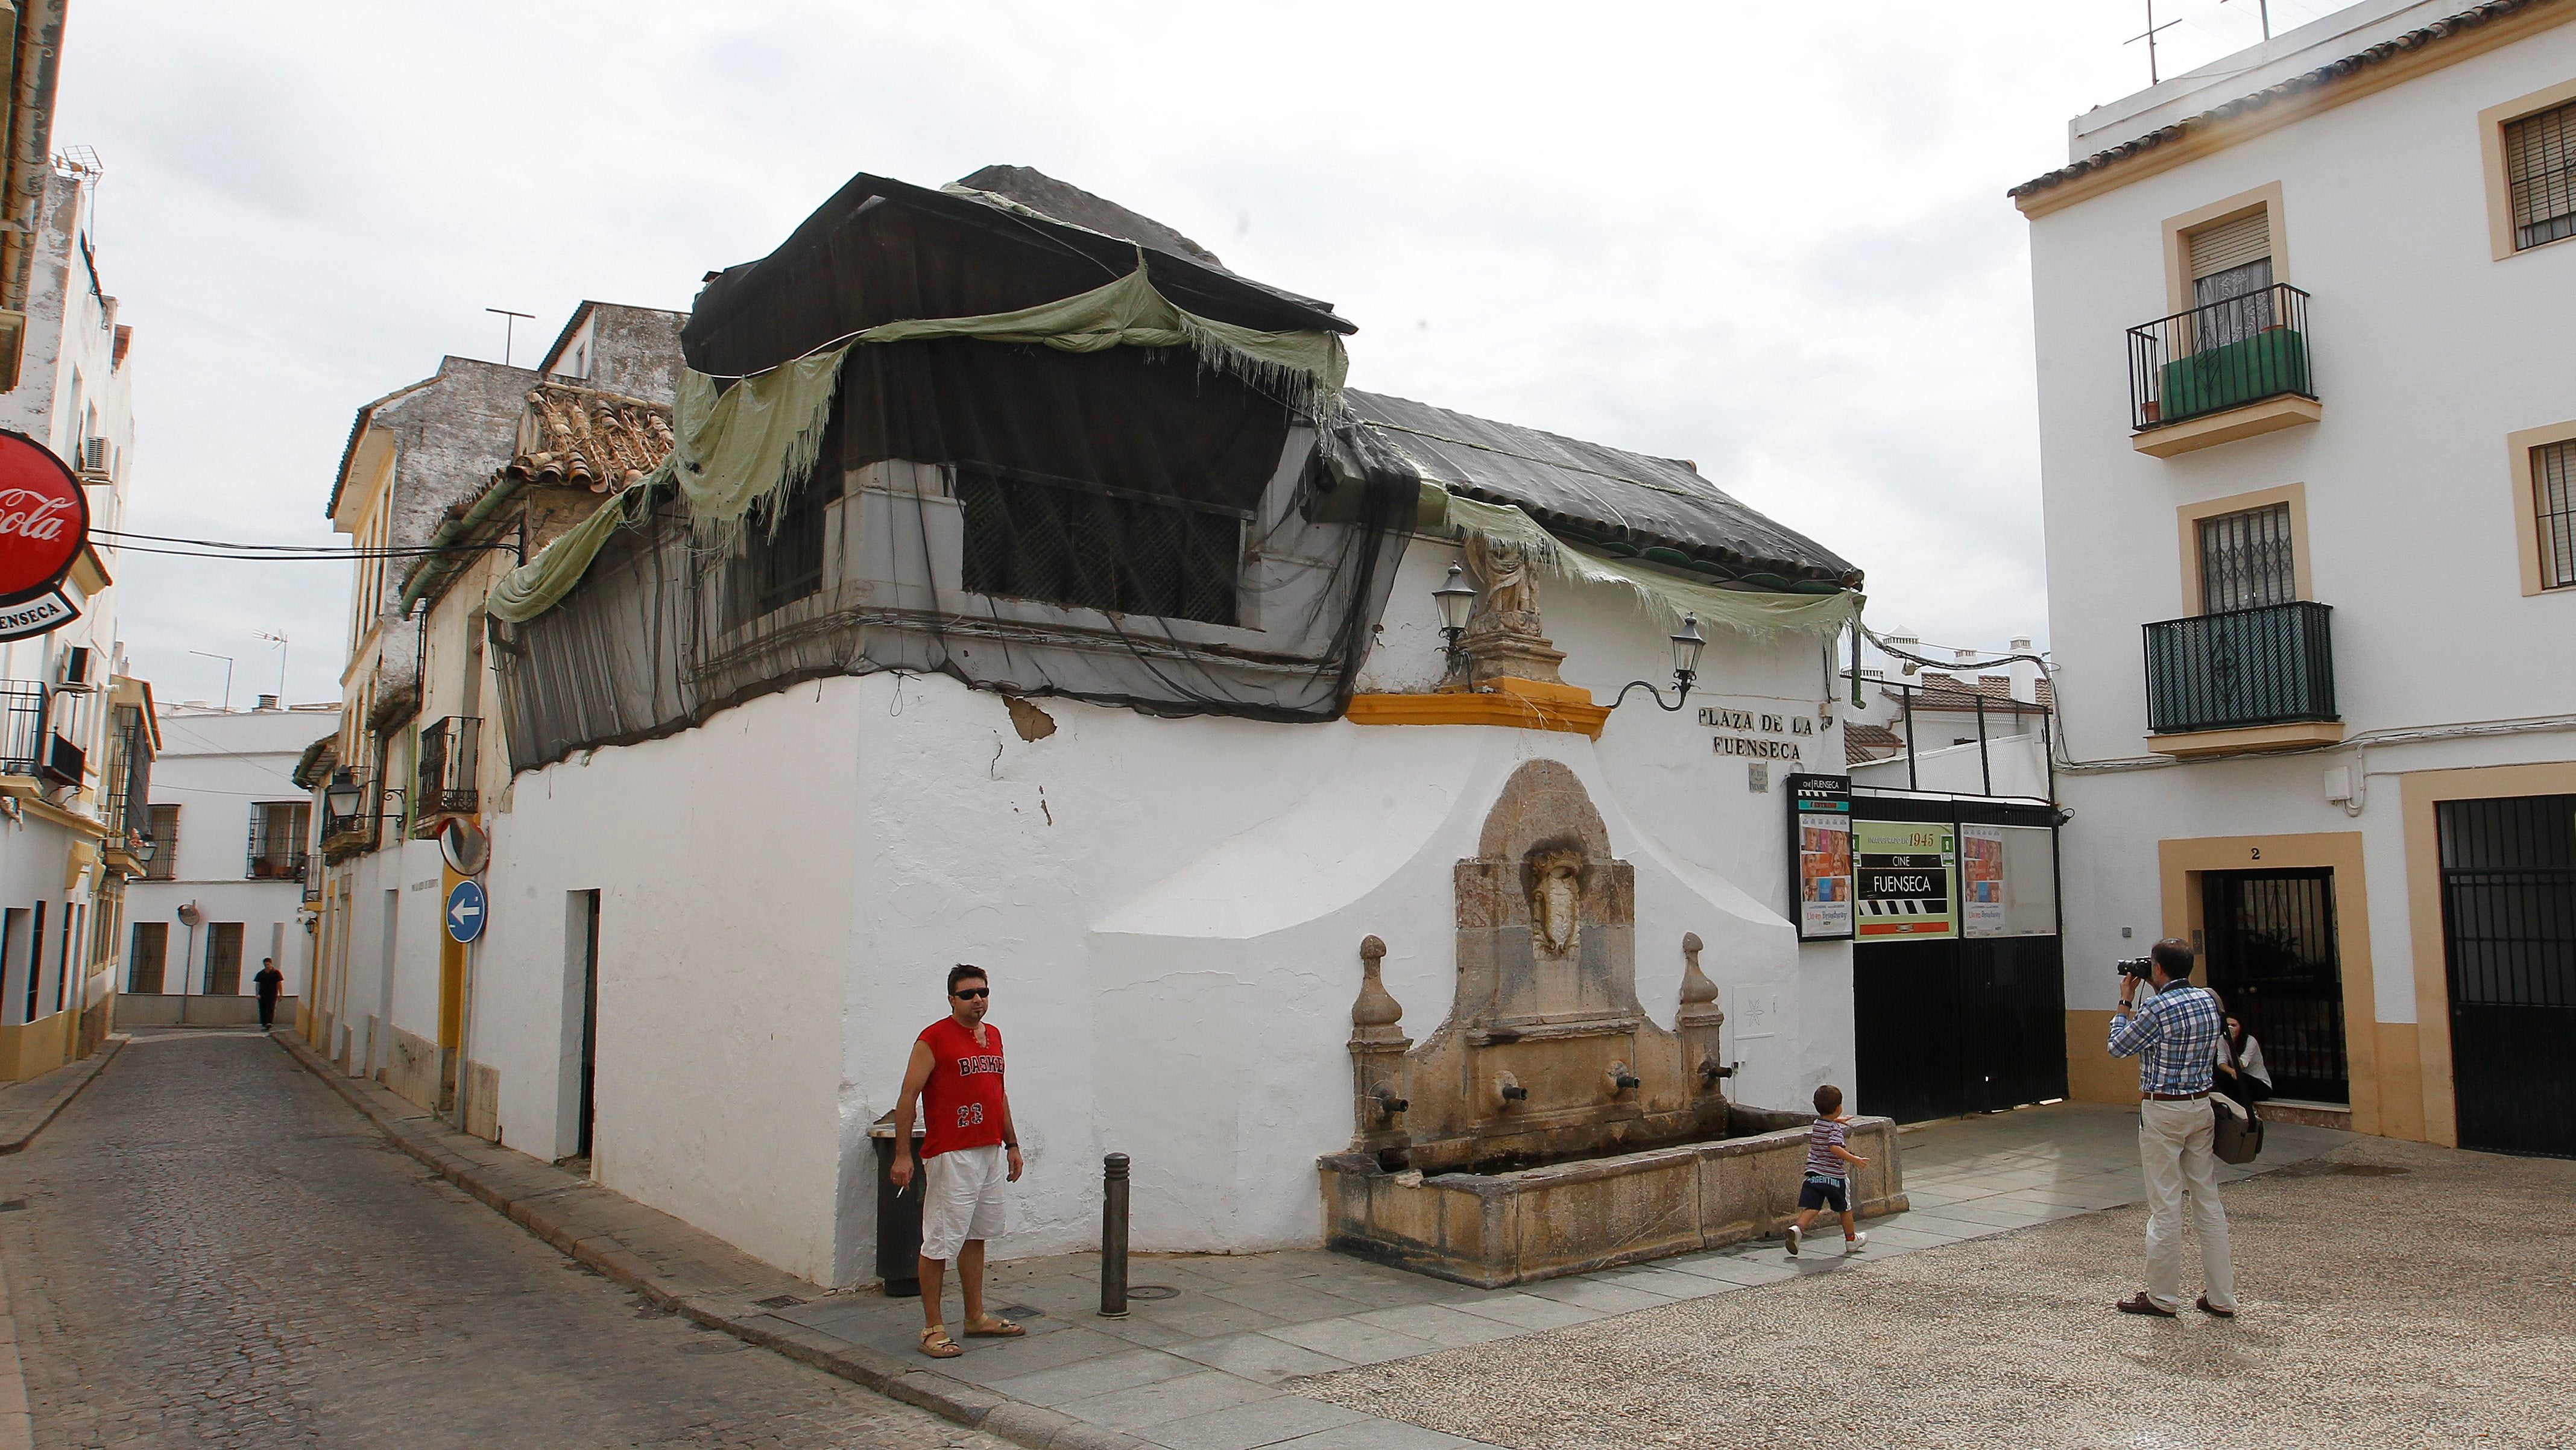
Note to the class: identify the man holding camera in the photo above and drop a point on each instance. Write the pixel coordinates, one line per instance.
(2174, 1034)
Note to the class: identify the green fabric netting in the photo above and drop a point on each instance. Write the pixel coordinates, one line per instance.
(1660, 596)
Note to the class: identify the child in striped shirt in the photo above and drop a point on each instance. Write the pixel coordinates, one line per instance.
(1829, 1166)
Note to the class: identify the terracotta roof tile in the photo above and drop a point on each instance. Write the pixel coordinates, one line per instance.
(1869, 742)
(574, 437)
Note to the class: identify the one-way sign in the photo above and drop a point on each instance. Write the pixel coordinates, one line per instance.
(465, 911)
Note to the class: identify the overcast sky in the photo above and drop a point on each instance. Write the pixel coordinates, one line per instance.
(1771, 238)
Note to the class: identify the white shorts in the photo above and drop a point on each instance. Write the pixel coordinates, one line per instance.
(961, 1199)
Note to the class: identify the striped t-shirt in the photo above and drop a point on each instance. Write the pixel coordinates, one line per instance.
(1822, 1140)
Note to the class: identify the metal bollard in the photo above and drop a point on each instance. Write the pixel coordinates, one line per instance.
(1113, 1236)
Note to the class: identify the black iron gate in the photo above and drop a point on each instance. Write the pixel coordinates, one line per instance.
(1964, 1024)
(2509, 941)
(2269, 938)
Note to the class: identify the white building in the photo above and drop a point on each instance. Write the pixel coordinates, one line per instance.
(2304, 312)
(745, 808)
(232, 835)
(75, 733)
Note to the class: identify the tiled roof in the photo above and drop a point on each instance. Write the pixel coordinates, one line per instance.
(1869, 742)
(1949, 692)
(2386, 50)
(575, 437)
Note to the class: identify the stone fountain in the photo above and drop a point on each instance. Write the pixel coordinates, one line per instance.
(1549, 1126)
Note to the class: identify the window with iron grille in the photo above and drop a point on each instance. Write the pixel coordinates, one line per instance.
(785, 564)
(2540, 169)
(1095, 548)
(2245, 560)
(2553, 482)
(277, 832)
(164, 865)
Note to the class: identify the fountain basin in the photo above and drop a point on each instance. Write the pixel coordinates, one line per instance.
(1497, 1229)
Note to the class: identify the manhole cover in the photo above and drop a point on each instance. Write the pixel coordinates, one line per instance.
(1019, 1311)
(709, 1348)
(2348, 1170)
(13, 1205)
(1152, 1291)
(779, 1301)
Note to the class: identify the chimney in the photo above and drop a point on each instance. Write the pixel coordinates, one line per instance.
(1909, 641)
(266, 702)
(2025, 674)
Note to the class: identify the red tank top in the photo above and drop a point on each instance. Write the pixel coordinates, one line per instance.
(961, 1105)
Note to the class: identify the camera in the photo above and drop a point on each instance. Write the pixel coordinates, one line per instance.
(2138, 967)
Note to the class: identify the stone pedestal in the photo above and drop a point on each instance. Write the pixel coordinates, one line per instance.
(1499, 645)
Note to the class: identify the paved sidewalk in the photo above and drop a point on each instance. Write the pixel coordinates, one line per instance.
(1208, 1368)
(1213, 1365)
(25, 1108)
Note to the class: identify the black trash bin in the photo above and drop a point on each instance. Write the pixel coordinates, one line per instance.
(898, 1215)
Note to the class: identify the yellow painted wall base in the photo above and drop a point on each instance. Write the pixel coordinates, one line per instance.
(1517, 704)
(32, 1049)
(2093, 1075)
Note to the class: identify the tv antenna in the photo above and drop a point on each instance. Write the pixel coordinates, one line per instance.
(2149, 36)
(277, 638)
(510, 320)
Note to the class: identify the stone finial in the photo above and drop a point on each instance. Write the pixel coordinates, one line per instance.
(1375, 1015)
(1699, 994)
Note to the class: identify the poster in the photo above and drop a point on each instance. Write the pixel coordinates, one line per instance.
(2007, 881)
(1904, 875)
(1820, 827)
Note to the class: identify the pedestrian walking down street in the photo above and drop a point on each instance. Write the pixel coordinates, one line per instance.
(2174, 1036)
(1829, 1166)
(968, 1151)
(269, 980)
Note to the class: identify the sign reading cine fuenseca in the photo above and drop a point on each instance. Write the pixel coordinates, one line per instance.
(44, 525)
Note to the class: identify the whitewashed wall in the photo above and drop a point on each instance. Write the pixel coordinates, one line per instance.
(1170, 910)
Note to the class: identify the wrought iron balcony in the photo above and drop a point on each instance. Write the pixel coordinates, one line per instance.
(22, 728)
(447, 768)
(2220, 356)
(2272, 665)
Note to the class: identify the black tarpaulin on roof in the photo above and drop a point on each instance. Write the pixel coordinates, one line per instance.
(1592, 490)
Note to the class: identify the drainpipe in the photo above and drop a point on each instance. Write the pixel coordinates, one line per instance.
(424, 573)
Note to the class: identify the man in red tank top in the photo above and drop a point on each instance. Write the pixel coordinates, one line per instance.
(968, 1151)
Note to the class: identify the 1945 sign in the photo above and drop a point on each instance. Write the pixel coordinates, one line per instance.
(44, 525)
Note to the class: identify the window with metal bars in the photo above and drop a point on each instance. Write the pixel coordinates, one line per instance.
(1077, 544)
(2540, 170)
(2553, 485)
(785, 564)
(164, 865)
(2245, 560)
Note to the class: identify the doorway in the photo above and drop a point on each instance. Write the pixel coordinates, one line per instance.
(2509, 951)
(151, 956)
(223, 959)
(581, 999)
(2268, 938)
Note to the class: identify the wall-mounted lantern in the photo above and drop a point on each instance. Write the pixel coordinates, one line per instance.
(1687, 644)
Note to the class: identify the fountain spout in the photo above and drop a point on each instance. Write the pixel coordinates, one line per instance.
(1387, 1102)
(1710, 1071)
(1510, 1090)
(1622, 1080)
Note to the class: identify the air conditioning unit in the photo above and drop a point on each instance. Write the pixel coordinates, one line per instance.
(93, 455)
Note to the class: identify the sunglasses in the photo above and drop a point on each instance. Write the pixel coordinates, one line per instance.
(974, 992)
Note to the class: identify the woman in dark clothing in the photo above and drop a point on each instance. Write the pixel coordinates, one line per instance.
(2242, 1074)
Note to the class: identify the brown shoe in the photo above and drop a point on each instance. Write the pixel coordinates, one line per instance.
(2211, 1309)
(2139, 1303)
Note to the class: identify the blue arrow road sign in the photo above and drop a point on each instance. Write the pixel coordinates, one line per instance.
(465, 911)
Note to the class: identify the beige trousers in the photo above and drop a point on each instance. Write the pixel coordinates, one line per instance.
(2174, 1148)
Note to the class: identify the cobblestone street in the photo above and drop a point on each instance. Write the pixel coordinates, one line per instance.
(209, 1248)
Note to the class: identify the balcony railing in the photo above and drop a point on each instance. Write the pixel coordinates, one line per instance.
(2224, 355)
(22, 727)
(447, 768)
(2272, 665)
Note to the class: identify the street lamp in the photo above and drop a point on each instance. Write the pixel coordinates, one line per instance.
(342, 795)
(145, 848)
(1687, 644)
(1455, 598)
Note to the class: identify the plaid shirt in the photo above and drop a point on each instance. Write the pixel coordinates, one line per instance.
(2177, 1030)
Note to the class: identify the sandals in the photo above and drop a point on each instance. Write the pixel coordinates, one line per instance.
(936, 1343)
(993, 1326)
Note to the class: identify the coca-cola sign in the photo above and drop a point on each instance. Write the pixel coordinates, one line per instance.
(44, 525)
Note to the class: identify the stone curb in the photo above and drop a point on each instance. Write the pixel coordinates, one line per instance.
(715, 1284)
(21, 1125)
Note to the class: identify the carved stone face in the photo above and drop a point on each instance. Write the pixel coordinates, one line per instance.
(1556, 901)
